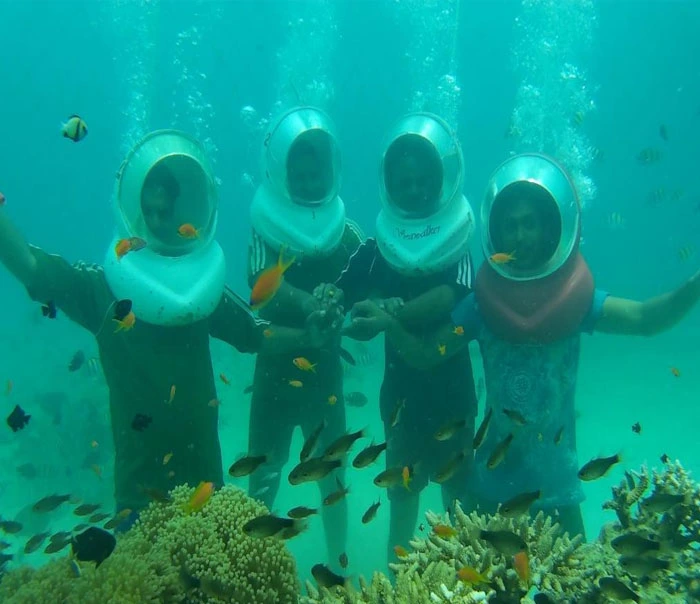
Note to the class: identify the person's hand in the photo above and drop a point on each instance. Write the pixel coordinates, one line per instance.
(391, 305)
(319, 330)
(330, 300)
(328, 295)
(368, 319)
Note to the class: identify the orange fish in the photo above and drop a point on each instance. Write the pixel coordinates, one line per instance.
(675, 372)
(167, 457)
(459, 330)
(304, 364)
(442, 349)
(171, 474)
(400, 551)
(521, 563)
(224, 379)
(187, 231)
(172, 394)
(8, 388)
(125, 324)
(471, 575)
(269, 282)
(215, 402)
(406, 477)
(444, 531)
(199, 498)
(267, 333)
(332, 399)
(295, 383)
(124, 513)
(502, 258)
(130, 244)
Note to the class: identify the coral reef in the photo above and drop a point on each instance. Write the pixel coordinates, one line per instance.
(664, 507)
(169, 556)
(559, 566)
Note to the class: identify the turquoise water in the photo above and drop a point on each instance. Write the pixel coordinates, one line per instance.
(131, 67)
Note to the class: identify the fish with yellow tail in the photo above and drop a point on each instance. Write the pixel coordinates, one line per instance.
(202, 494)
(269, 281)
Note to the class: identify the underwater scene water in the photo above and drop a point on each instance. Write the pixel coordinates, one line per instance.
(459, 241)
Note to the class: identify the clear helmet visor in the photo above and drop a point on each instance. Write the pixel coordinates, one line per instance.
(166, 194)
(301, 157)
(530, 218)
(421, 169)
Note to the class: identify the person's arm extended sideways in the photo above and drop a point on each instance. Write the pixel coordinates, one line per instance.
(648, 318)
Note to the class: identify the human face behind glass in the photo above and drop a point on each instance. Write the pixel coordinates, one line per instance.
(306, 178)
(158, 211)
(522, 233)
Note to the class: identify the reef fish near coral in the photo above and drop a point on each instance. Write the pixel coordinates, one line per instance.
(93, 545)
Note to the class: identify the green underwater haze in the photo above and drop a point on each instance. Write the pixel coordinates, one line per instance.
(611, 89)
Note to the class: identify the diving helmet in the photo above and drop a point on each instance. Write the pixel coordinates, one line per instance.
(530, 217)
(425, 223)
(165, 198)
(297, 204)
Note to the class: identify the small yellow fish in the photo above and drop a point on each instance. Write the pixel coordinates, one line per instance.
(304, 364)
(268, 333)
(400, 551)
(167, 457)
(442, 349)
(200, 497)
(467, 574)
(295, 383)
(172, 394)
(406, 477)
(332, 399)
(269, 281)
(125, 324)
(458, 331)
(444, 531)
(94, 444)
(521, 563)
(187, 231)
(503, 258)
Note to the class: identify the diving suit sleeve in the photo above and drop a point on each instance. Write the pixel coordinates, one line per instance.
(234, 323)
(461, 276)
(79, 290)
(589, 321)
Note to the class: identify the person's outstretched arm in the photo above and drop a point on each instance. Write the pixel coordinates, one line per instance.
(79, 290)
(15, 254)
(652, 316)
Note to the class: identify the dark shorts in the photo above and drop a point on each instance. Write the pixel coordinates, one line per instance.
(278, 408)
(431, 401)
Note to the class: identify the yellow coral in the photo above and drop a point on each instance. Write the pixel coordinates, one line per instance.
(169, 556)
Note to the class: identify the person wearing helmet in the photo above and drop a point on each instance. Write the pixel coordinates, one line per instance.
(533, 298)
(416, 269)
(297, 213)
(159, 367)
